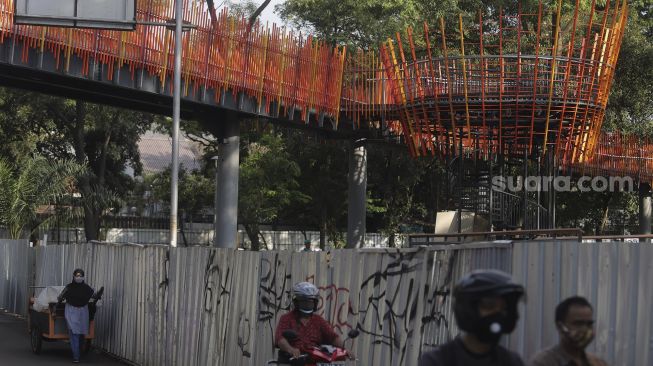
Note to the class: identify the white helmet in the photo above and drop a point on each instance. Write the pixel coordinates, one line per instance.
(305, 290)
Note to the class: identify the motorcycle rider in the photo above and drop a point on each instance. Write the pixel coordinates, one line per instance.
(312, 330)
(485, 307)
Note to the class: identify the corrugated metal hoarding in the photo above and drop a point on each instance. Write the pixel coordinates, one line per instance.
(14, 264)
(614, 277)
(204, 306)
(130, 321)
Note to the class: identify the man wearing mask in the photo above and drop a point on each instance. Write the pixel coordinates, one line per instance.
(575, 322)
(485, 307)
(312, 330)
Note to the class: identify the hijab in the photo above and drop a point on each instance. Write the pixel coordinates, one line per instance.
(77, 293)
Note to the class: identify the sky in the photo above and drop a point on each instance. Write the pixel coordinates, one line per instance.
(268, 14)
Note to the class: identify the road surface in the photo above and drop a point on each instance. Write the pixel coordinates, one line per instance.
(15, 348)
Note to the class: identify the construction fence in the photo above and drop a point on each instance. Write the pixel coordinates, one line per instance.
(206, 306)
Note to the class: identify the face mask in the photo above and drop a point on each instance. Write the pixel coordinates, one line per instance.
(79, 279)
(579, 338)
(306, 307)
(490, 328)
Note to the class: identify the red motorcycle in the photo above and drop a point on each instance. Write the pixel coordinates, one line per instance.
(324, 355)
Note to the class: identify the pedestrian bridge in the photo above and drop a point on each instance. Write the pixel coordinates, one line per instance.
(501, 85)
(227, 66)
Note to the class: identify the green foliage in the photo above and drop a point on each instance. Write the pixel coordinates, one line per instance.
(241, 8)
(19, 138)
(630, 106)
(324, 169)
(268, 180)
(267, 183)
(392, 182)
(195, 189)
(598, 213)
(100, 137)
(362, 23)
(32, 185)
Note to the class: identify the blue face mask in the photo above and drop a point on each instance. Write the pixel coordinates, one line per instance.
(79, 279)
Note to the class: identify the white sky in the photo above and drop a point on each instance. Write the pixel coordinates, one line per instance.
(268, 14)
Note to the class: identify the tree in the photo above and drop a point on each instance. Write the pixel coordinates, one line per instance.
(103, 137)
(242, 8)
(630, 106)
(600, 213)
(362, 23)
(195, 189)
(31, 185)
(267, 184)
(17, 133)
(323, 179)
(392, 178)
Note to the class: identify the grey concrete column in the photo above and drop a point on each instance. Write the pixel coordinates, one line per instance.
(644, 208)
(227, 190)
(357, 195)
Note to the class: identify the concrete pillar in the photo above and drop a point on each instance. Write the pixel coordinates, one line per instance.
(644, 208)
(227, 190)
(357, 194)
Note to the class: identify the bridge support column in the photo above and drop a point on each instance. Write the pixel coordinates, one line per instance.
(357, 194)
(645, 208)
(227, 190)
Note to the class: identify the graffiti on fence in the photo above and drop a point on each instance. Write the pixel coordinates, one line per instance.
(388, 312)
(334, 305)
(437, 294)
(385, 309)
(274, 292)
(244, 335)
(213, 271)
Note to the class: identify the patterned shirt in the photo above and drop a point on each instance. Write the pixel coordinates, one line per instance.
(556, 356)
(317, 331)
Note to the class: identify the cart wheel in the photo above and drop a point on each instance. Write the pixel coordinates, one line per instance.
(36, 340)
(87, 346)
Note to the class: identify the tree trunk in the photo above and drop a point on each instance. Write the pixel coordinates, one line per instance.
(257, 12)
(91, 217)
(606, 209)
(101, 174)
(391, 240)
(253, 234)
(323, 227)
(80, 155)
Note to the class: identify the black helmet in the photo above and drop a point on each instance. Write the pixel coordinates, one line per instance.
(480, 284)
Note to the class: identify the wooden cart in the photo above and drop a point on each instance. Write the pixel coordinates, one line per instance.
(50, 325)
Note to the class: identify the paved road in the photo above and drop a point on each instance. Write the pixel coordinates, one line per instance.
(15, 348)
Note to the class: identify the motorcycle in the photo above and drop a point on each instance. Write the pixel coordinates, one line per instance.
(324, 355)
